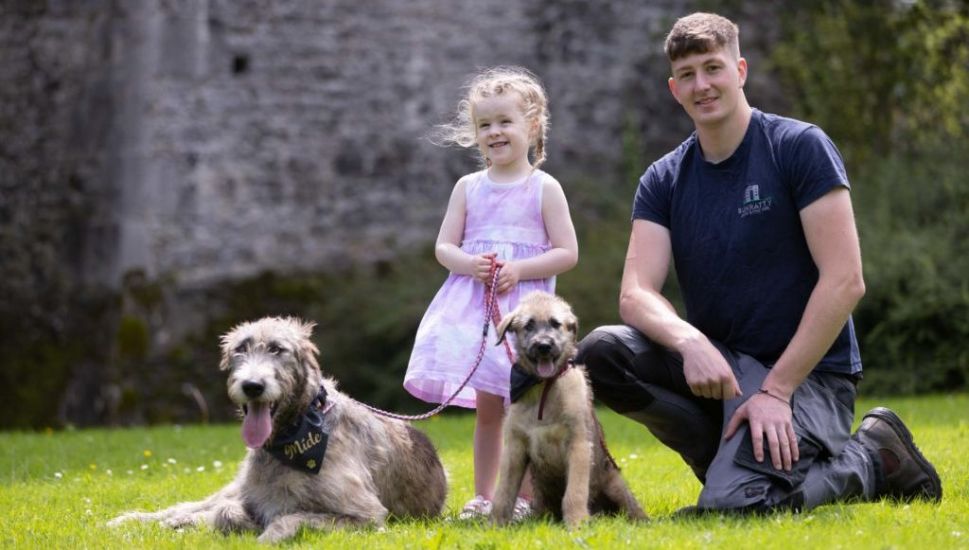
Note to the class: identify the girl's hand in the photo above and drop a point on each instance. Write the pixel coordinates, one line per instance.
(481, 266)
(508, 277)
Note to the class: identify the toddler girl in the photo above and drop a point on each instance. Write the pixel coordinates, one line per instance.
(511, 214)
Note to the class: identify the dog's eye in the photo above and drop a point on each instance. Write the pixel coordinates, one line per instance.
(240, 349)
(554, 323)
(530, 325)
(274, 349)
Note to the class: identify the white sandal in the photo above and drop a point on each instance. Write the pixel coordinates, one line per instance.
(477, 508)
(522, 511)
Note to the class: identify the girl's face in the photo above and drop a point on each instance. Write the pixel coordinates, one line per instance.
(503, 133)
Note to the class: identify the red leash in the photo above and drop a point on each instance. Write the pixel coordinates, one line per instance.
(492, 315)
(548, 385)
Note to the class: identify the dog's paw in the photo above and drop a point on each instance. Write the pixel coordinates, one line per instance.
(500, 515)
(277, 531)
(181, 520)
(273, 536)
(575, 519)
(123, 518)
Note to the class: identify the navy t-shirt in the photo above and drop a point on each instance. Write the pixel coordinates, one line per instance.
(741, 257)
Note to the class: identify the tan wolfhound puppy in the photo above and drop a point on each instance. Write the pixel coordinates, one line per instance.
(316, 458)
(551, 427)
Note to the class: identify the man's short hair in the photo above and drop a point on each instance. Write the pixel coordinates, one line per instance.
(702, 33)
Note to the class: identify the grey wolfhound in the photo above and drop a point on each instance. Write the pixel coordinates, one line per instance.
(316, 458)
(551, 426)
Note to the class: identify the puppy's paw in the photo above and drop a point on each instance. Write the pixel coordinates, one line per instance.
(501, 516)
(575, 518)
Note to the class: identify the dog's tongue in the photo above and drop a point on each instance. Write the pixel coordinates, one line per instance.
(257, 424)
(546, 368)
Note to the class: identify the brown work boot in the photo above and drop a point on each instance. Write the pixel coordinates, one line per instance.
(906, 474)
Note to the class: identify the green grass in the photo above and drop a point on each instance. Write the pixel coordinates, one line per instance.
(58, 489)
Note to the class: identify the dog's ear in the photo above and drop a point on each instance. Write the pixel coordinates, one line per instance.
(572, 324)
(305, 328)
(226, 344)
(306, 350)
(505, 325)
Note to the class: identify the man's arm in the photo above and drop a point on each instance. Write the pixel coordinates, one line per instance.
(642, 306)
(829, 227)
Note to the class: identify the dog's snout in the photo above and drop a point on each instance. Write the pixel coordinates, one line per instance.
(543, 347)
(253, 389)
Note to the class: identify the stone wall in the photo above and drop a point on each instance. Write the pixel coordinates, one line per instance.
(197, 142)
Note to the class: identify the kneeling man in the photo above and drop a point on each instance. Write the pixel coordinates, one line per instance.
(755, 388)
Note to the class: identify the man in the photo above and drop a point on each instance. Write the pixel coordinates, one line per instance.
(755, 388)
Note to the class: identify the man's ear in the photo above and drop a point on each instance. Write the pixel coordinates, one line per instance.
(671, 84)
(742, 69)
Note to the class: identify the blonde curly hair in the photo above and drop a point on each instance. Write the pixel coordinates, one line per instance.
(492, 82)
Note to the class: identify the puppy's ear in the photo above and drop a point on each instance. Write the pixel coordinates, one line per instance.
(505, 325)
(573, 325)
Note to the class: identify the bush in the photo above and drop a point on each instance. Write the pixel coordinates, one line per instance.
(889, 80)
(913, 217)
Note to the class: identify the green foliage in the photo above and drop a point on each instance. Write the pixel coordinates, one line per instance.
(881, 76)
(133, 338)
(37, 359)
(58, 489)
(889, 81)
(913, 219)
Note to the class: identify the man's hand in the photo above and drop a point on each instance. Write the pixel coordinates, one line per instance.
(707, 373)
(768, 416)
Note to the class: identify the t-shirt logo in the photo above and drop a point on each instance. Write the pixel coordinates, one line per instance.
(753, 204)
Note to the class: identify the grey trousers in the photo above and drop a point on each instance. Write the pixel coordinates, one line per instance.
(645, 382)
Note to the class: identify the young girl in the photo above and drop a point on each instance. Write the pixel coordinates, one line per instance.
(513, 214)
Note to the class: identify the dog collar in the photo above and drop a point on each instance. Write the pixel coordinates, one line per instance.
(522, 381)
(302, 445)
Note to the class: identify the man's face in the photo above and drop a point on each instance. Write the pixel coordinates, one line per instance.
(708, 85)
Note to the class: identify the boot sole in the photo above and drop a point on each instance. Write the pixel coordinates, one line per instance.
(900, 428)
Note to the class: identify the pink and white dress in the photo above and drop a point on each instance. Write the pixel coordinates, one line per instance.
(505, 218)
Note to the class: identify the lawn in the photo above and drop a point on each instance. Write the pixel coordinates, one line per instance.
(57, 490)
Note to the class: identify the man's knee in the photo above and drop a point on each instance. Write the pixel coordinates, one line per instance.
(756, 496)
(734, 498)
(601, 342)
(602, 351)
